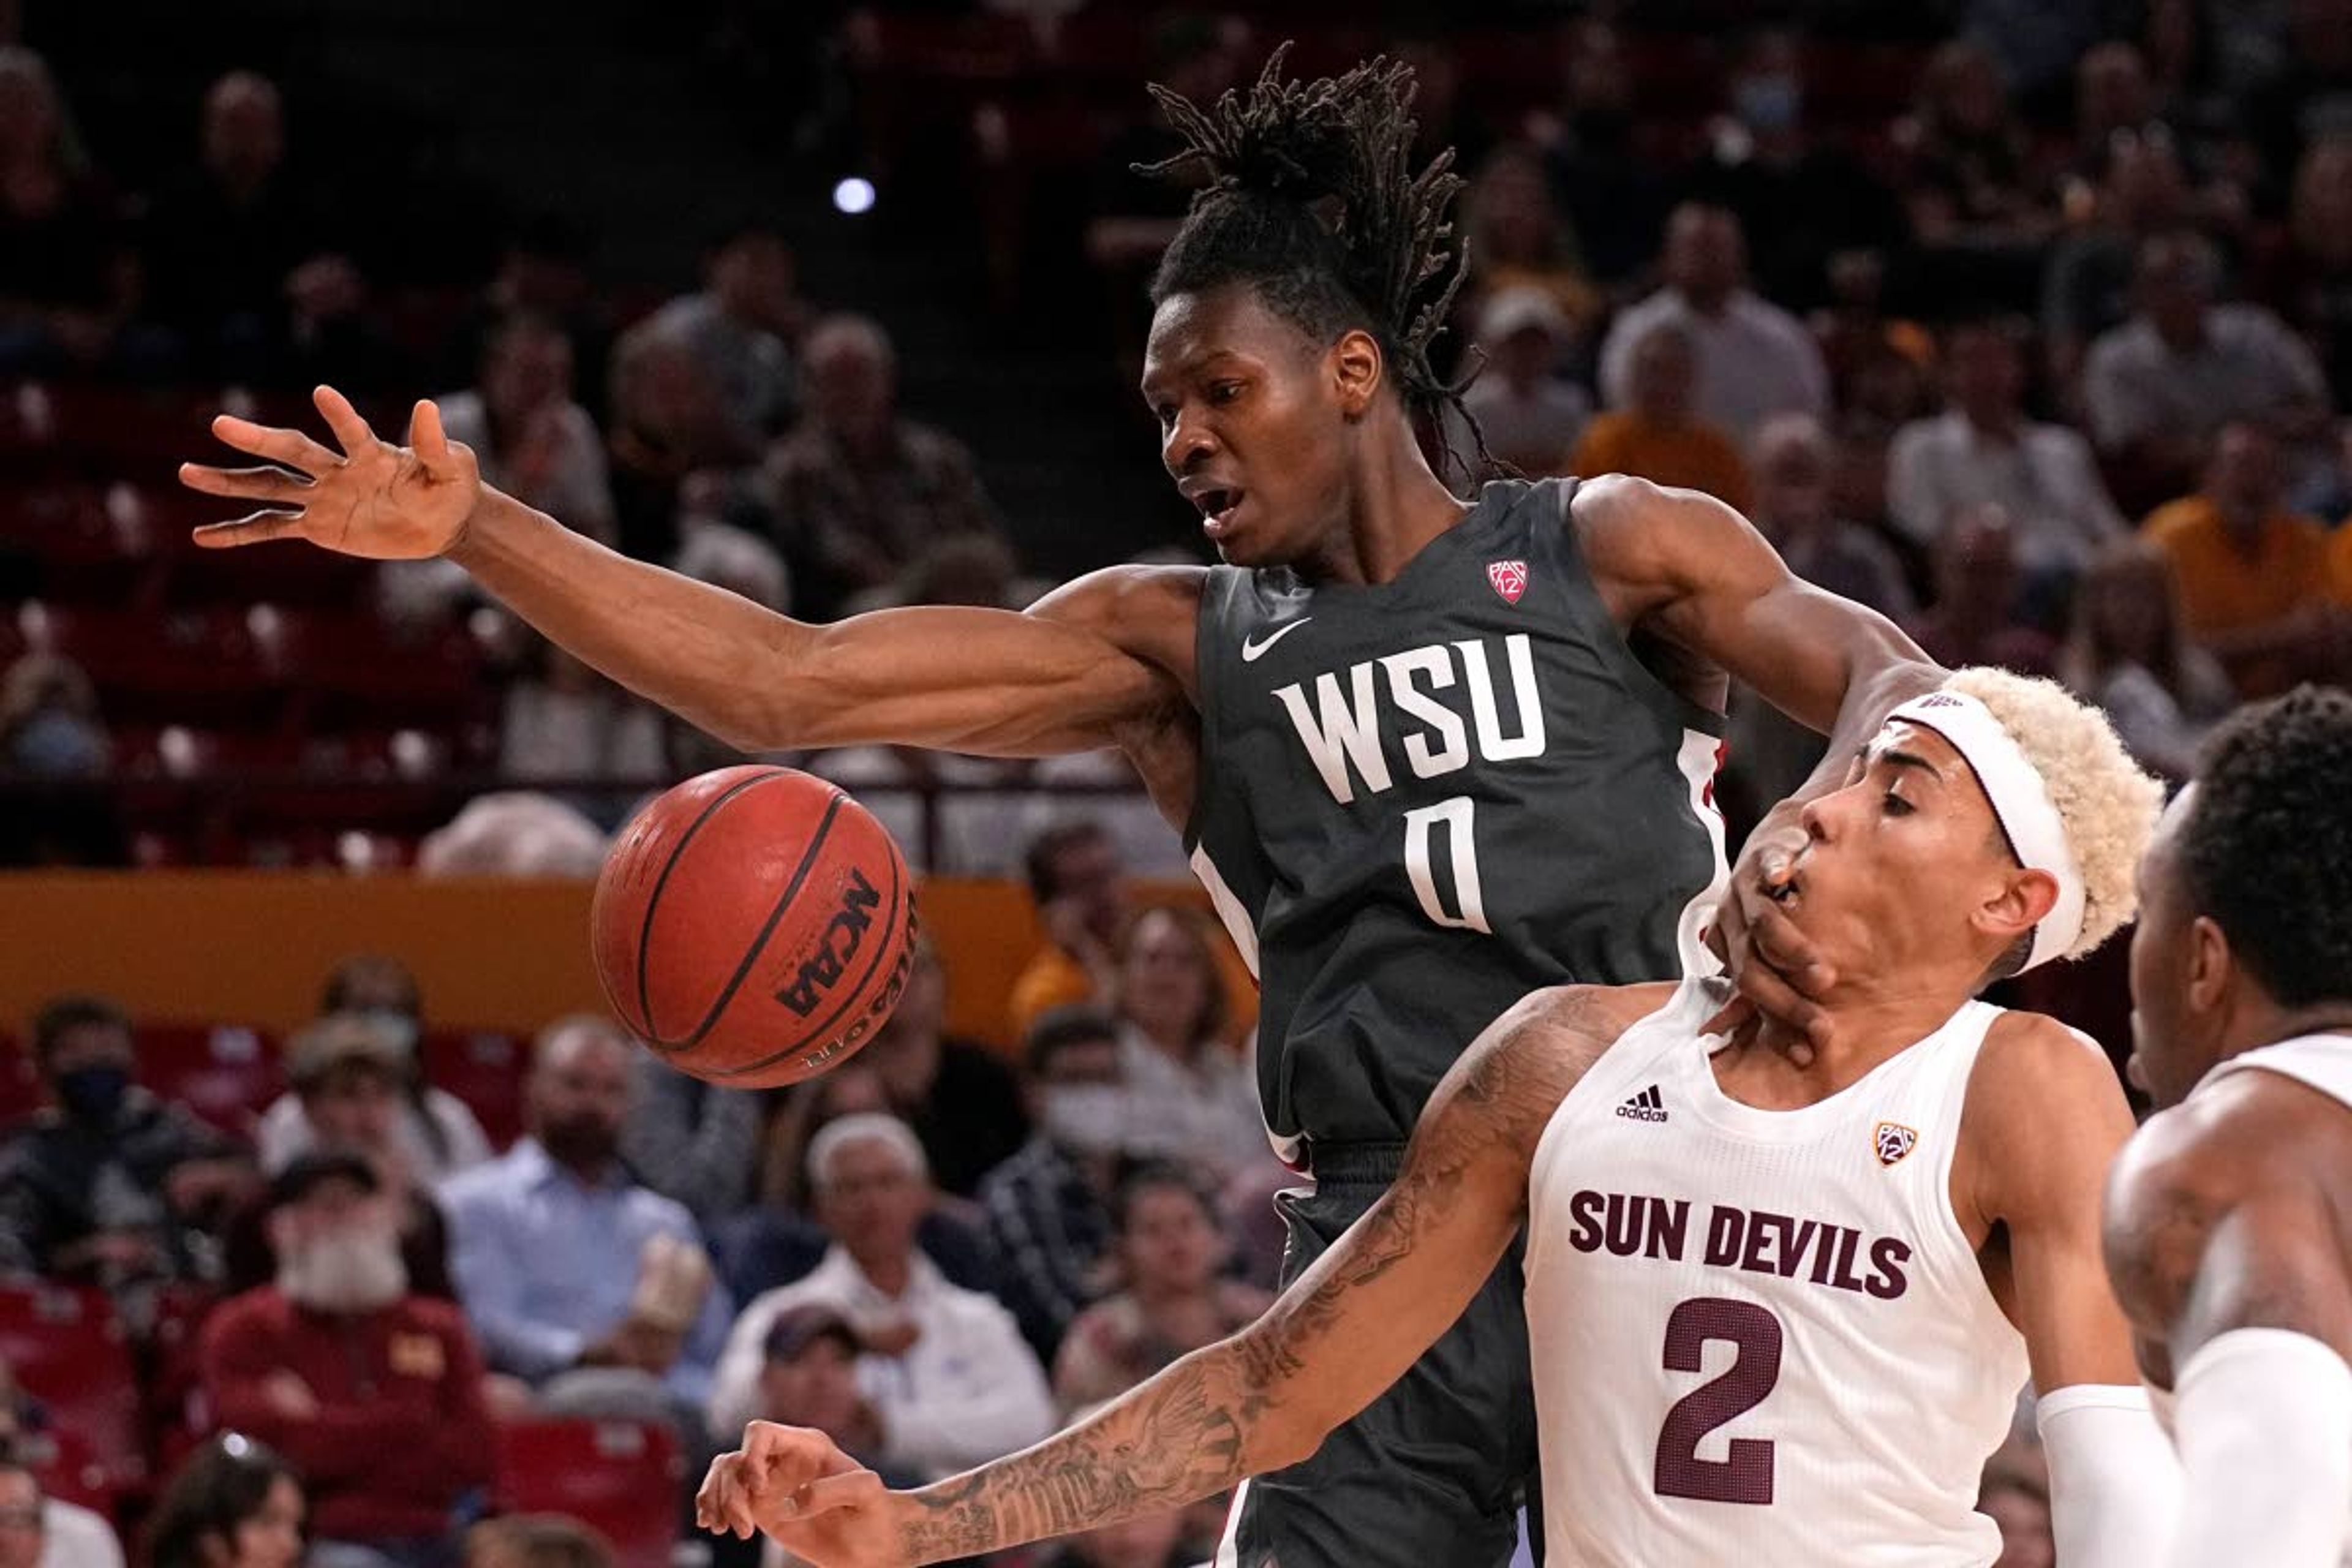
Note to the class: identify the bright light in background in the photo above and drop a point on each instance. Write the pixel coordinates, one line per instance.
(854, 197)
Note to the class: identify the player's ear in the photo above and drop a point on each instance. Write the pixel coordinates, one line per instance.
(1356, 371)
(2212, 967)
(2025, 899)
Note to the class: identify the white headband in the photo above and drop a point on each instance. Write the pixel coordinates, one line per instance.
(2021, 804)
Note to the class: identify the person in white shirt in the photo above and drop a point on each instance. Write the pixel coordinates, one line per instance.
(522, 424)
(38, 1531)
(1984, 448)
(1755, 359)
(950, 1381)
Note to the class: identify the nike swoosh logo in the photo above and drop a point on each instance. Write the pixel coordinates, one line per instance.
(1251, 650)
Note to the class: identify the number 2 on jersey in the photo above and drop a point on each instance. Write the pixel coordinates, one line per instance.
(1746, 1475)
(1456, 816)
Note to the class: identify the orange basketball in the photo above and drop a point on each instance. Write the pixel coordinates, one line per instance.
(753, 926)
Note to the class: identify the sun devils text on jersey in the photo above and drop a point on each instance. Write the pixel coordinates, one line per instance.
(1733, 1311)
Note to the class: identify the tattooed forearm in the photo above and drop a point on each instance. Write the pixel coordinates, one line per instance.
(1173, 1441)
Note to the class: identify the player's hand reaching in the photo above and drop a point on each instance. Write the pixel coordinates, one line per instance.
(1775, 968)
(797, 1486)
(374, 500)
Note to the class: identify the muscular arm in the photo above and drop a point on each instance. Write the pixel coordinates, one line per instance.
(2224, 1242)
(987, 681)
(1690, 569)
(2045, 1118)
(1339, 1336)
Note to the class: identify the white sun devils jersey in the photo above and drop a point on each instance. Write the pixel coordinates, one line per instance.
(1761, 1338)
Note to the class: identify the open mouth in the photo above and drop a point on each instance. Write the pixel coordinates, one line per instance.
(1217, 507)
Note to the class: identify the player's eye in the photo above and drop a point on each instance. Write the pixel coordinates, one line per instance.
(1222, 392)
(1165, 413)
(1897, 806)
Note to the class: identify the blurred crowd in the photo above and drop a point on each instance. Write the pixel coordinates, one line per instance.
(2029, 325)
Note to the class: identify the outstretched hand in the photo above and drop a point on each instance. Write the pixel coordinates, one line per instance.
(797, 1486)
(1775, 969)
(373, 500)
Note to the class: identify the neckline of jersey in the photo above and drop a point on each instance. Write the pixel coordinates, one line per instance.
(1711, 1101)
(1483, 514)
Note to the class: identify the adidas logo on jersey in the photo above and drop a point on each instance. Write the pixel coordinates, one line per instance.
(1646, 1106)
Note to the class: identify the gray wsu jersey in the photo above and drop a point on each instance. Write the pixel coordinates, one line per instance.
(1424, 798)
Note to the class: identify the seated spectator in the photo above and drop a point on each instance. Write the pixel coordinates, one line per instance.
(1048, 1207)
(228, 239)
(438, 1136)
(110, 1185)
(1613, 194)
(1859, 337)
(669, 430)
(1795, 508)
(519, 833)
(1196, 1094)
(2252, 575)
(1658, 433)
(543, 272)
(40, 1531)
(350, 1081)
(2137, 191)
(532, 439)
(50, 723)
(565, 1266)
(1969, 179)
(2310, 277)
(775, 1243)
(962, 1102)
(859, 491)
(1974, 618)
(945, 1369)
(536, 1541)
(692, 1141)
(1753, 359)
(2159, 388)
(1800, 195)
(67, 282)
(741, 331)
(1520, 240)
(1170, 1299)
(1079, 888)
(233, 1503)
(2129, 654)
(1985, 449)
(1528, 417)
(374, 1393)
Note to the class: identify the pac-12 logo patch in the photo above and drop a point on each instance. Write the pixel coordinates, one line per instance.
(1894, 1141)
(1509, 577)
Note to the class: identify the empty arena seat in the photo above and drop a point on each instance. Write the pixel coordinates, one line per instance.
(485, 1068)
(225, 1073)
(66, 1346)
(623, 1478)
(191, 668)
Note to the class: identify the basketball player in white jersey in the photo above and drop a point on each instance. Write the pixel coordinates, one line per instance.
(2230, 1216)
(1780, 1312)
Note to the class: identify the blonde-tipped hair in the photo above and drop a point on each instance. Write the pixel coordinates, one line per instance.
(2108, 804)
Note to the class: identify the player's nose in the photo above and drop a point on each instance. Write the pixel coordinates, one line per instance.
(1188, 444)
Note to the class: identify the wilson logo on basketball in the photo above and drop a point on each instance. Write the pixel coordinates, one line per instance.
(839, 943)
(1895, 1141)
(1509, 577)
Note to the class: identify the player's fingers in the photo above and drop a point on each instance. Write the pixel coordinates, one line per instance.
(1775, 999)
(426, 434)
(1776, 940)
(262, 484)
(351, 432)
(853, 1489)
(1736, 1013)
(253, 529)
(706, 1497)
(276, 443)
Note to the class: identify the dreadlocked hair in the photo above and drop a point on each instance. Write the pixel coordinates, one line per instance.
(1313, 202)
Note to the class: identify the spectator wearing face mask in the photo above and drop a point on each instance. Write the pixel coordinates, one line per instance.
(438, 1136)
(1048, 1207)
(110, 1185)
(374, 1393)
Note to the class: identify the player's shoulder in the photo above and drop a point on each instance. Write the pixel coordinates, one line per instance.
(2237, 1134)
(2043, 1111)
(1627, 526)
(1547, 1040)
(1116, 601)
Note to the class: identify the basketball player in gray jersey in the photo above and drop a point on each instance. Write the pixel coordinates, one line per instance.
(1431, 754)
(2229, 1227)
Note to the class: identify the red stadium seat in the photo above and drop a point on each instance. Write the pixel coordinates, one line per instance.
(623, 1478)
(187, 669)
(66, 1346)
(225, 1073)
(485, 1070)
(67, 1468)
(20, 1085)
